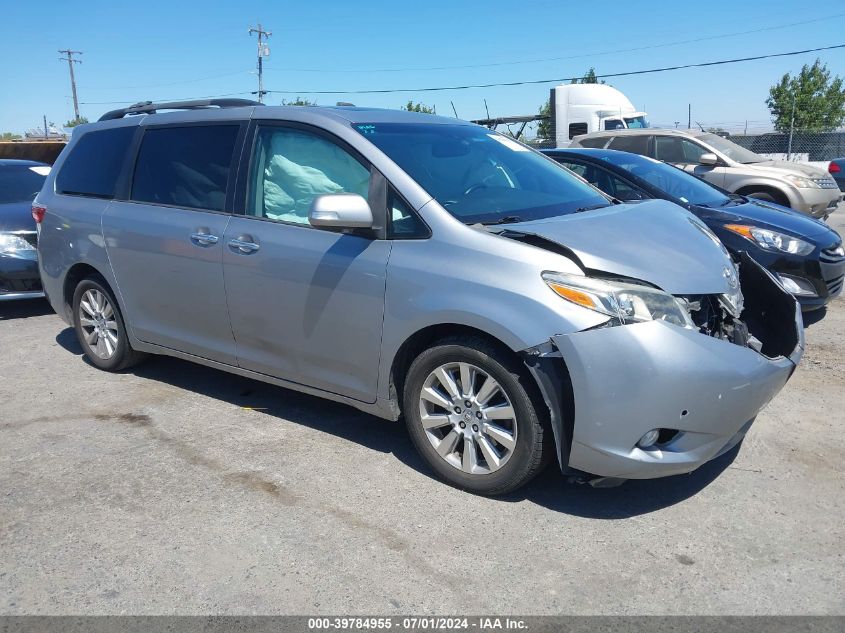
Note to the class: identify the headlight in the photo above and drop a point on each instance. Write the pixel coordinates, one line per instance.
(11, 243)
(772, 240)
(801, 182)
(628, 303)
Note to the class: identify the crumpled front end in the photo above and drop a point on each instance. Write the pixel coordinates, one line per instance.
(700, 390)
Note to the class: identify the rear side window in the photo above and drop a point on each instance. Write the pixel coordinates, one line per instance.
(185, 166)
(596, 142)
(94, 163)
(578, 168)
(576, 129)
(633, 144)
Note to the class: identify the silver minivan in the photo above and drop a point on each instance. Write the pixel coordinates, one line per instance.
(420, 267)
(722, 162)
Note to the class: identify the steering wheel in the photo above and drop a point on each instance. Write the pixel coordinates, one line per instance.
(476, 187)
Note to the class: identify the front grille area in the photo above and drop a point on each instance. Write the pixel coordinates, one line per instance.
(826, 183)
(832, 262)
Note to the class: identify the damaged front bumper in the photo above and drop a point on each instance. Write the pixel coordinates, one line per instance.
(609, 386)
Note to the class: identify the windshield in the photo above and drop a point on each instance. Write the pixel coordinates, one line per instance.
(636, 122)
(21, 183)
(671, 180)
(480, 176)
(731, 149)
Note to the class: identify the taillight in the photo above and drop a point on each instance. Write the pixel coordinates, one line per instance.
(38, 212)
(834, 168)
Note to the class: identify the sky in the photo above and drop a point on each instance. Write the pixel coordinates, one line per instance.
(154, 50)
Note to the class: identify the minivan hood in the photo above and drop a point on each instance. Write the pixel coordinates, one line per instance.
(784, 167)
(655, 241)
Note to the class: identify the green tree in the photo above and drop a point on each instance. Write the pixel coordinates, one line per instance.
(588, 78)
(75, 122)
(299, 101)
(418, 107)
(9, 136)
(544, 126)
(819, 100)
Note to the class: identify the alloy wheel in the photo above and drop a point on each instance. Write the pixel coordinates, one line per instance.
(468, 418)
(99, 327)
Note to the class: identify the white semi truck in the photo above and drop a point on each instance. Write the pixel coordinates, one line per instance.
(578, 109)
(583, 108)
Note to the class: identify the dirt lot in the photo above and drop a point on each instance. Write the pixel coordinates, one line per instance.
(180, 489)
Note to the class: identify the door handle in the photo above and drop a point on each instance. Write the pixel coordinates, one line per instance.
(204, 239)
(243, 245)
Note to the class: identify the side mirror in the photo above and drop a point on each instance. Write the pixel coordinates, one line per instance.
(708, 159)
(340, 211)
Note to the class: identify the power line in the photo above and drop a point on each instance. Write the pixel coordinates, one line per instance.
(560, 79)
(172, 83)
(263, 51)
(225, 94)
(493, 64)
(564, 58)
(510, 83)
(70, 62)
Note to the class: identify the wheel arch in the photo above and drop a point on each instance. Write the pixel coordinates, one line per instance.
(74, 275)
(424, 338)
(543, 369)
(779, 193)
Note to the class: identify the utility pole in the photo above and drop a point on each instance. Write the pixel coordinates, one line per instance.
(70, 62)
(689, 116)
(791, 129)
(263, 51)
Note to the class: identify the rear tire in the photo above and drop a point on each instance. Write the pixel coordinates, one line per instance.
(473, 416)
(100, 328)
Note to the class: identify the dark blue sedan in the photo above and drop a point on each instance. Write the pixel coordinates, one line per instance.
(20, 181)
(806, 254)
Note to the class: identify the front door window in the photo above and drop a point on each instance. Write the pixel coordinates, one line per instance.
(291, 167)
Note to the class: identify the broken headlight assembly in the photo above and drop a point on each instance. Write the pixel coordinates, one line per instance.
(624, 302)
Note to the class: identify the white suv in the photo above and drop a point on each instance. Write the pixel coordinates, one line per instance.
(723, 163)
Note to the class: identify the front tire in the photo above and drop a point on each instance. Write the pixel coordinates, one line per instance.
(473, 416)
(768, 196)
(100, 328)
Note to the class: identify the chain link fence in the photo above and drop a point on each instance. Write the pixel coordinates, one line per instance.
(800, 146)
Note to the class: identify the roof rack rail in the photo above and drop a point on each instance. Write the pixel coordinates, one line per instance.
(148, 107)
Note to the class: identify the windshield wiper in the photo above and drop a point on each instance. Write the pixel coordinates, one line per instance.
(508, 219)
(591, 208)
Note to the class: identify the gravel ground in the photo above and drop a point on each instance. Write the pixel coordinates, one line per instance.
(180, 489)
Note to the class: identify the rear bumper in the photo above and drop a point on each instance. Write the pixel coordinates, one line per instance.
(17, 296)
(627, 380)
(19, 277)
